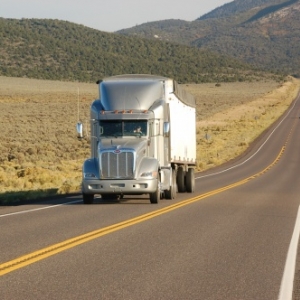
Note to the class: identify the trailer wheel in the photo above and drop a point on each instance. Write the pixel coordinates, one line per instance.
(155, 196)
(181, 179)
(88, 198)
(190, 180)
(171, 193)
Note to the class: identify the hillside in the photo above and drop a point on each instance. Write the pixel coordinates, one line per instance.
(241, 6)
(60, 50)
(260, 32)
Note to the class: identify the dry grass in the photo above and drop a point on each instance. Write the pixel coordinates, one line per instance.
(238, 114)
(39, 150)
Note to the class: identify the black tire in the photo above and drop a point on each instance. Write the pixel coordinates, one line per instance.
(181, 180)
(155, 196)
(88, 198)
(171, 193)
(190, 180)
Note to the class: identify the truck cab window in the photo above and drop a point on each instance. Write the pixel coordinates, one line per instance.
(123, 128)
(108, 128)
(140, 128)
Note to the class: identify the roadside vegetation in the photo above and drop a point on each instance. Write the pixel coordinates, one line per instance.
(40, 154)
(231, 116)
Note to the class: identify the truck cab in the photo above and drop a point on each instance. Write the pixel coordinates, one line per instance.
(132, 152)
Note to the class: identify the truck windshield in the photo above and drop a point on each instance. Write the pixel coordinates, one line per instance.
(123, 128)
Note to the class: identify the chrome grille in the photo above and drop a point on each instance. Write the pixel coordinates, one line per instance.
(115, 165)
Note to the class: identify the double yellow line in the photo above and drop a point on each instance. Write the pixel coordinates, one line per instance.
(41, 254)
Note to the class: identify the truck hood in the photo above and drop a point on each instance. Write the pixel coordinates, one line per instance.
(136, 144)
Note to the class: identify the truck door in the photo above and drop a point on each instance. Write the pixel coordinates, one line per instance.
(166, 135)
(94, 138)
(156, 144)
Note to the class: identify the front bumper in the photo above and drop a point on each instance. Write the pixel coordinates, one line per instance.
(123, 187)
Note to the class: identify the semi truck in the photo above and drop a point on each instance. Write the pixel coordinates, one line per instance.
(143, 139)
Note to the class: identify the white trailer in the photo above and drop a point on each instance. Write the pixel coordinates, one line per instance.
(143, 139)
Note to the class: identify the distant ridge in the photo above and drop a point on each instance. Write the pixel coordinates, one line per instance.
(264, 33)
(60, 50)
(241, 6)
(271, 9)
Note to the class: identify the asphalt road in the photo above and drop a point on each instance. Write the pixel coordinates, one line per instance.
(228, 240)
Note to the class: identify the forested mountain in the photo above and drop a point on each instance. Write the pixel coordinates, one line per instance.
(264, 33)
(53, 49)
(240, 6)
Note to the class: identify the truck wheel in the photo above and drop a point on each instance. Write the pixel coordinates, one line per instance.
(181, 179)
(88, 198)
(190, 180)
(155, 196)
(171, 193)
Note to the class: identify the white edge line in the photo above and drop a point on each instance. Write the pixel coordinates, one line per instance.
(37, 209)
(287, 282)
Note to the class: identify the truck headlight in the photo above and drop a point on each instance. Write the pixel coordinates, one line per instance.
(150, 174)
(89, 176)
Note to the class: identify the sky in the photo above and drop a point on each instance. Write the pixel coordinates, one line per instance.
(108, 15)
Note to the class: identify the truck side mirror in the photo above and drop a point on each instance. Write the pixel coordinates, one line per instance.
(166, 129)
(79, 130)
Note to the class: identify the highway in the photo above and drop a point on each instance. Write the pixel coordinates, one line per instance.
(236, 237)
